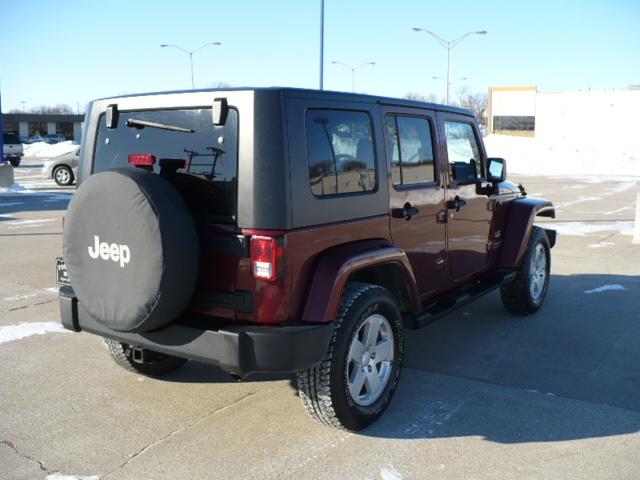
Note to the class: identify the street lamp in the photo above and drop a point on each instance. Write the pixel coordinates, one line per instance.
(455, 79)
(190, 53)
(448, 45)
(353, 71)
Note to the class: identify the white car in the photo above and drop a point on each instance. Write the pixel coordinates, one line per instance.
(63, 168)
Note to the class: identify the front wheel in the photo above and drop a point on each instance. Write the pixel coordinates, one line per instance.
(354, 384)
(526, 294)
(143, 361)
(63, 176)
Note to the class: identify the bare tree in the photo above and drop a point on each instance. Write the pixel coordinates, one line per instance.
(419, 97)
(219, 85)
(476, 102)
(60, 108)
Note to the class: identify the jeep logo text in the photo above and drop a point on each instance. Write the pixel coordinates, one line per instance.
(114, 252)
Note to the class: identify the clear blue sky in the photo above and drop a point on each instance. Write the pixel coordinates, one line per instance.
(73, 51)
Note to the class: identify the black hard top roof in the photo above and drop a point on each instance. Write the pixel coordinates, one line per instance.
(307, 92)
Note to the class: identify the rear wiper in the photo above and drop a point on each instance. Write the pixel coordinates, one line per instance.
(137, 123)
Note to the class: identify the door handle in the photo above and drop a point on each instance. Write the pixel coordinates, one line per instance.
(456, 204)
(406, 212)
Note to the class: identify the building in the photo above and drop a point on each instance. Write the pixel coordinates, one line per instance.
(30, 124)
(525, 111)
(512, 110)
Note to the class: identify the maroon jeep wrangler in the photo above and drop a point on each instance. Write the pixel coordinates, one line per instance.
(288, 230)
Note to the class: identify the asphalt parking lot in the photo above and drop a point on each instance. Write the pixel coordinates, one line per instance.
(483, 395)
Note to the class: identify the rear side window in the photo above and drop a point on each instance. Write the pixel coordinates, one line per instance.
(209, 182)
(340, 152)
(411, 147)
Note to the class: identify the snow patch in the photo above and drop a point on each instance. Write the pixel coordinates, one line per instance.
(570, 156)
(17, 298)
(60, 476)
(601, 245)
(575, 202)
(618, 210)
(46, 150)
(38, 222)
(605, 288)
(390, 473)
(435, 415)
(581, 229)
(15, 188)
(11, 333)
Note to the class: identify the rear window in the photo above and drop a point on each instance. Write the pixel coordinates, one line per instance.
(209, 182)
(10, 138)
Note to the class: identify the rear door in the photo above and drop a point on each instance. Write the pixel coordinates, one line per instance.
(416, 194)
(469, 221)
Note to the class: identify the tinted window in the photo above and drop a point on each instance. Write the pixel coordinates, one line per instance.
(411, 149)
(340, 152)
(12, 138)
(514, 123)
(209, 183)
(463, 151)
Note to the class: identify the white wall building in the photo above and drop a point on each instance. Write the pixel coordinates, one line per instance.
(524, 111)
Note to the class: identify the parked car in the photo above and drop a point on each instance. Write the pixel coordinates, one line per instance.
(12, 150)
(36, 139)
(288, 230)
(55, 138)
(63, 168)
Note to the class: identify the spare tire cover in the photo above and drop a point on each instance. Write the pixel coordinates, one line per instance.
(131, 249)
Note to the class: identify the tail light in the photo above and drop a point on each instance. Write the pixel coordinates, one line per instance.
(266, 257)
(142, 160)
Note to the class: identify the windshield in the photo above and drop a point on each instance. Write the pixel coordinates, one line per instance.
(210, 179)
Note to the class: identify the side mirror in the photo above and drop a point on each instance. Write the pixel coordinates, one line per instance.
(219, 111)
(497, 170)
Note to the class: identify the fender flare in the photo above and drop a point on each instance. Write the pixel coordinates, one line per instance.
(336, 265)
(519, 226)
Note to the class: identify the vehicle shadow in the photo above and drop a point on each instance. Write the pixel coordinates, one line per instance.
(571, 371)
(36, 201)
(200, 372)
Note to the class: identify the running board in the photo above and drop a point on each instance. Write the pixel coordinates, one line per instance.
(458, 298)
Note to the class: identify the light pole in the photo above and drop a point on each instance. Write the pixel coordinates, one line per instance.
(190, 53)
(321, 44)
(448, 45)
(353, 71)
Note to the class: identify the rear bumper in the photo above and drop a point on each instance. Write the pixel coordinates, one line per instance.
(237, 349)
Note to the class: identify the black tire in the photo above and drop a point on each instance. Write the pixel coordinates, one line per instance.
(153, 364)
(324, 389)
(15, 162)
(63, 176)
(517, 296)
